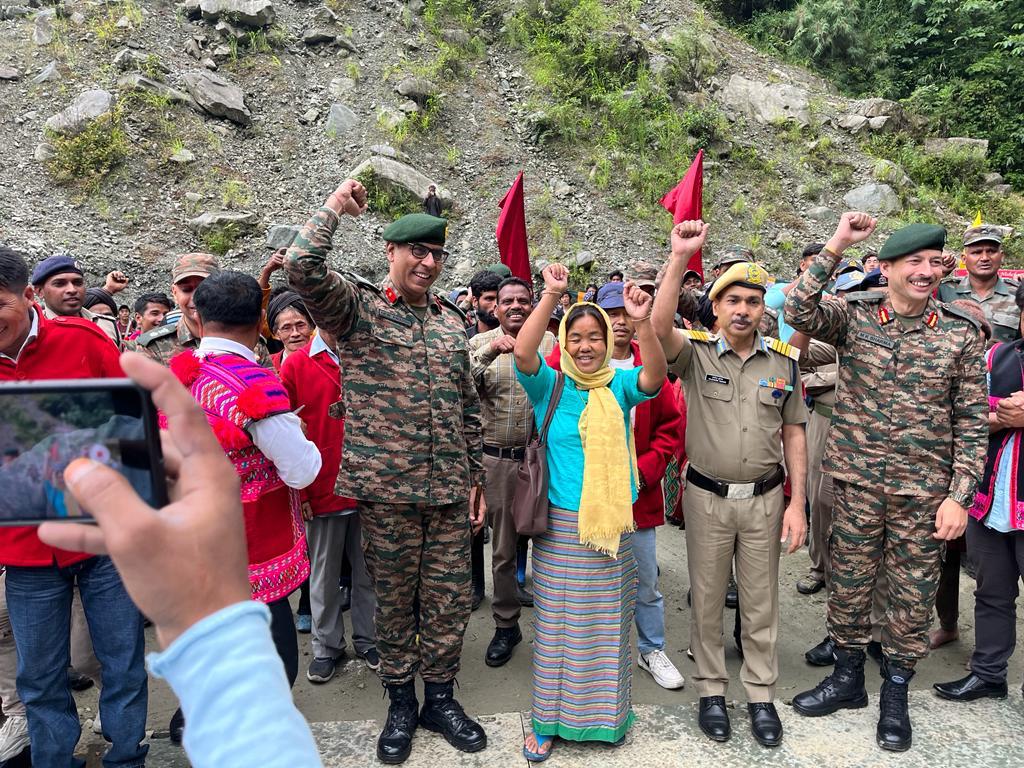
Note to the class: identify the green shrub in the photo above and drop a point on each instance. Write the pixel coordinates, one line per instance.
(221, 240)
(388, 201)
(692, 58)
(90, 155)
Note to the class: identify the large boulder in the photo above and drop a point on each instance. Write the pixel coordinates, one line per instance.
(249, 13)
(873, 198)
(135, 81)
(42, 31)
(419, 89)
(878, 108)
(9, 73)
(396, 174)
(281, 236)
(340, 120)
(767, 102)
(853, 123)
(83, 111)
(218, 97)
(211, 221)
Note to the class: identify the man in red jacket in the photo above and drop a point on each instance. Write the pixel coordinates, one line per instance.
(657, 433)
(41, 579)
(312, 377)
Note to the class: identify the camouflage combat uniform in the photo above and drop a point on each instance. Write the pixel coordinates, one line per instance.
(412, 451)
(908, 430)
(165, 341)
(1000, 306)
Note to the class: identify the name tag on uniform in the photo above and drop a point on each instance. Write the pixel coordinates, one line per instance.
(881, 341)
(716, 379)
(394, 317)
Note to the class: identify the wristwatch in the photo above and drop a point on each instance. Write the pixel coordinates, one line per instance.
(963, 499)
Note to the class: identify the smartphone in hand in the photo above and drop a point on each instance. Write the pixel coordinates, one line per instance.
(45, 425)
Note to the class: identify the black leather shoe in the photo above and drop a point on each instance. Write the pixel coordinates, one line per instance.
(765, 724)
(894, 730)
(442, 714)
(732, 596)
(823, 654)
(177, 727)
(843, 689)
(77, 681)
(713, 718)
(970, 688)
(478, 597)
(395, 741)
(500, 649)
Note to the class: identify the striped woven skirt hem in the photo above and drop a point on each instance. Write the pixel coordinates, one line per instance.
(583, 609)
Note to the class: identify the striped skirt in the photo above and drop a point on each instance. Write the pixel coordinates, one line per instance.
(583, 605)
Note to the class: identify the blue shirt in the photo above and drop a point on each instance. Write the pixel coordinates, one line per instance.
(999, 515)
(776, 299)
(565, 449)
(234, 693)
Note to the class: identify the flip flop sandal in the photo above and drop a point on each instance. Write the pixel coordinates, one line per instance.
(540, 756)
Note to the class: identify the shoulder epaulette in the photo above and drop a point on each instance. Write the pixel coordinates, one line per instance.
(361, 281)
(951, 279)
(81, 324)
(957, 312)
(864, 296)
(703, 336)
(447, 303)
(782, 348)
(155, 333)
(1012, 281)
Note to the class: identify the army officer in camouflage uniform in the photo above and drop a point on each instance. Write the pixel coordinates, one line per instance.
(412, 455)
(906, 450)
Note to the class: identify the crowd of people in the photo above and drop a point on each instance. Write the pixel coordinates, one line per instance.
(361, 443)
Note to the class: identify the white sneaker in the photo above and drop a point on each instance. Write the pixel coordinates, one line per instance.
(662, 670)
(13, 737)
(97, 726)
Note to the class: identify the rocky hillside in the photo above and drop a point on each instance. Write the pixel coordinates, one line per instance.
(132, 131)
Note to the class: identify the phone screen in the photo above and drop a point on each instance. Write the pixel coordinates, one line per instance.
(44, 426)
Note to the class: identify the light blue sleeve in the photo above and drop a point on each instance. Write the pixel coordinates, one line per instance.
(234, 693)
(540, 385)
(776, 299)
(626, 386)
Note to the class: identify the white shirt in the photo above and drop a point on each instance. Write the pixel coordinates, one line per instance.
(626, 365)
(279, 437)
(319, 345)
(33, 331)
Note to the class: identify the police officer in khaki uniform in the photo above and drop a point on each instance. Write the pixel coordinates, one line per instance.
(742, 390)
(60, 290)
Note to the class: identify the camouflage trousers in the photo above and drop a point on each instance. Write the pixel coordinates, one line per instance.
(870, 528)
(418, 550)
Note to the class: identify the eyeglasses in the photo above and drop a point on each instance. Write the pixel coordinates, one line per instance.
(420, 252)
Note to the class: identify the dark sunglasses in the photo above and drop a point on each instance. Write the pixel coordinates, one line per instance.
(420, 251)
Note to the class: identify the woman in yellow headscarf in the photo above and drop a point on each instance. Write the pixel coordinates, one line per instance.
(583, 567)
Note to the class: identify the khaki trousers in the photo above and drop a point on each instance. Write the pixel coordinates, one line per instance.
(819, 495)
(716, 528)
(499, 492)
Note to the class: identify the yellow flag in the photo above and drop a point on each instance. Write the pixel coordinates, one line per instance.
(977, 220)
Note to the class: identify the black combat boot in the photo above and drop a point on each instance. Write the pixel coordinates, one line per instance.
(395, 742)
(442, 714)
(843, 689)
(894, 731)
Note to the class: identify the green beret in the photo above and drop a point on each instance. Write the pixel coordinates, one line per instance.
(417, 228)
(911, 239)
(501, 270)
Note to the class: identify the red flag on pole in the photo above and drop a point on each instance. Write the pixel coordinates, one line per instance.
(685, 202)
(511, 232)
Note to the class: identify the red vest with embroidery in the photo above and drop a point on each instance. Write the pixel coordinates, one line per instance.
(233, 394)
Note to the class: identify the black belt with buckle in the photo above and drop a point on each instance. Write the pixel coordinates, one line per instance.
(516, 454)
(735, 490)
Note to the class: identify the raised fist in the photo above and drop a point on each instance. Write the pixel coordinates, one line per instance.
(854, 227)
(503, 344)
(556, 277)
(688, 237)
(637, 301)
(115, 282)
(349, 197)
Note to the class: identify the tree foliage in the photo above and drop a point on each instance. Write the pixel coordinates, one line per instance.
(959, 63)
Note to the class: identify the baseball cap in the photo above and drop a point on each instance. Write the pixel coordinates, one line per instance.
(874, 279)
(194, 265)
(986, 232)
(733, 255)
(848, 281)
(54, 265)
(609, 296)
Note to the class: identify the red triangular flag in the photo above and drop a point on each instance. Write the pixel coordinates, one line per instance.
(685, 202)
(511, 232)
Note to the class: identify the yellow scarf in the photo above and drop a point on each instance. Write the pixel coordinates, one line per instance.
(606, 504)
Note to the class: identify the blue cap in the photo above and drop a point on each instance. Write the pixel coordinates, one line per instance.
(54, 265)
(848, 281)
(874, 279)
(609, 296)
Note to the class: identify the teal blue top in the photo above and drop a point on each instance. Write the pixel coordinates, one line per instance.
(565, 449)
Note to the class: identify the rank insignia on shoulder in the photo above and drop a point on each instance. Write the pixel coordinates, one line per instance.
(782, 348)
(883, 316)
(699, 336)
(390, 295)
(932, 320)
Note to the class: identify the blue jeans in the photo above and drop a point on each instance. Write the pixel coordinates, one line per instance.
(39, 603)
(650, 605)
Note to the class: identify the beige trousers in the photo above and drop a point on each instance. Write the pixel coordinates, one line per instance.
(819, 496)
(716, 529)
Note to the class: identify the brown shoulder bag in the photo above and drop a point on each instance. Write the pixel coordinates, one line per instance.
(530, 506)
